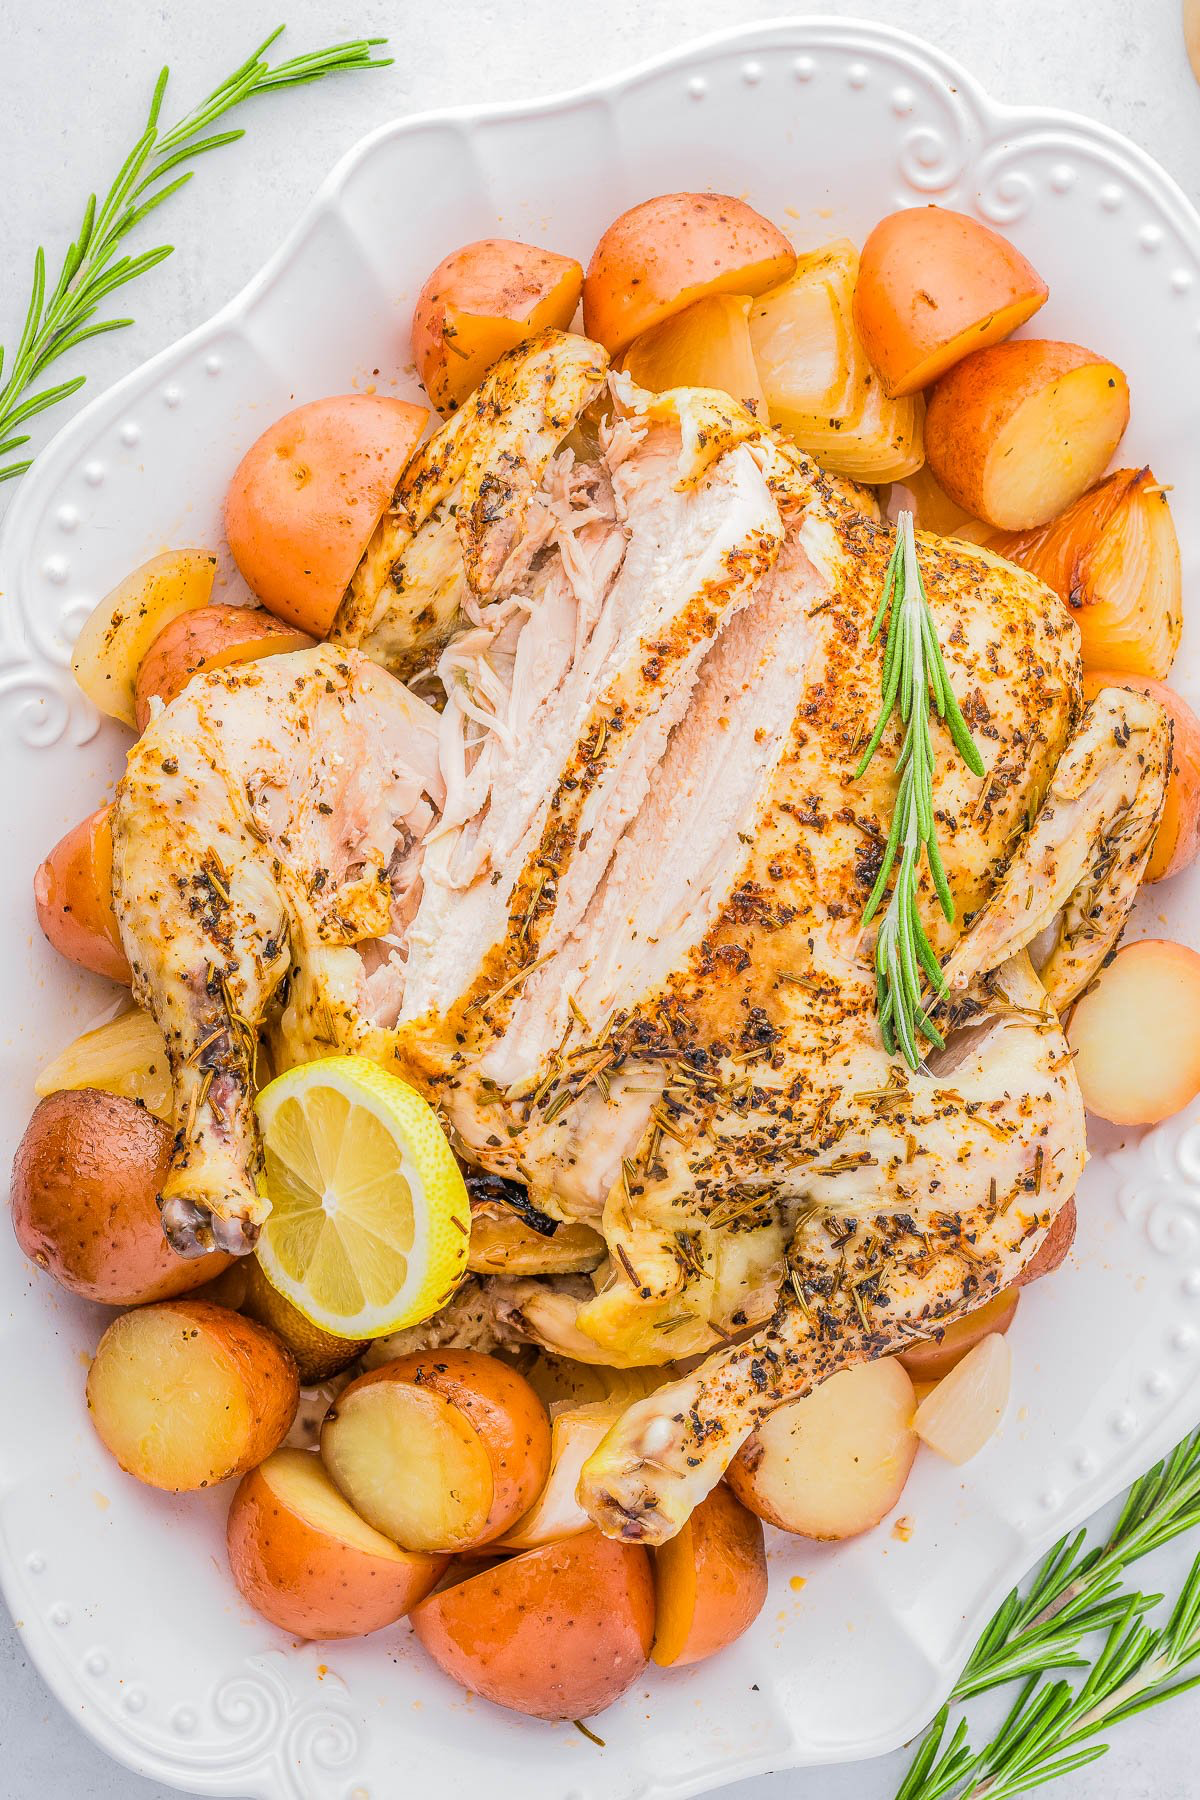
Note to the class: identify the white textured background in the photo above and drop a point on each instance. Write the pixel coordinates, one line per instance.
(75, 77)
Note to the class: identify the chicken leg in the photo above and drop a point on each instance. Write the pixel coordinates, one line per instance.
(264, 827)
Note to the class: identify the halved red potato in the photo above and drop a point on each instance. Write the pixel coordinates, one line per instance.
(935, 285)
(185, 1394)
(72, 891)
(710, 1581)
(307, 495)
(211, 638)
(85, 1185)
(935, 1357)
(666, 253)
(705, 345)
(967, 1406)
(305, 1560)
(1135, 1033)
(1016, 433)
(439, 1450)
(109, 650)
(482, 300)
(1113, 557)
(1054, 1247)
(1177, 840)
(126, 1056)
(831, 1465)
(559, 1632)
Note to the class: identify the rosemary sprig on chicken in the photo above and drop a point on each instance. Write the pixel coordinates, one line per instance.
(914, 674)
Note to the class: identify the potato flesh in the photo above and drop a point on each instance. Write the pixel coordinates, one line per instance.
(172, 1412)
(1135, 1034)
(126, 1056)
(120, 630)
(1054, 446)
(411, 1465)
(967, 1407)
(831, 1465)
(300, 1481)
(705, 345)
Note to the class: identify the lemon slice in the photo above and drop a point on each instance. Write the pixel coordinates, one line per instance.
(370, 1224)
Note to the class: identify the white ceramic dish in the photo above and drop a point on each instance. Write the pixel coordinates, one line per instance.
(121, 1594)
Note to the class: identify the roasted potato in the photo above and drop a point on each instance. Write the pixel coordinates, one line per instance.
(1016, 433)
(479, 302)
(305, 1560)
(1135, 1033)
(72, 891)
(213, 637)
(109, 650)
(558, 1632)
(185, 1394)
(668, 252)
(441, 1450)
(933, 286)
(84, 1189)
(831, 1465)
(937, 1355)
(306, 497)
(710, 1581)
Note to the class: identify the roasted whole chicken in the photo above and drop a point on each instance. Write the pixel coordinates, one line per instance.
(595, 881)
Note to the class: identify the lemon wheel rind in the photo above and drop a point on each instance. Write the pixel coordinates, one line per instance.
(437, 1256)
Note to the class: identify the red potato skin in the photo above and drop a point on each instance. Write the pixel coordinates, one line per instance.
(309, 1585)
(85, 1183)
(724, 1539)
(974, 401)
(558, 1633)
(510, 1419)
(268, 1374)
(493, 279)
(210, 638)
(306, 497)
(658, 257)
(72, 891)
(931, 278)
(1054, 1248)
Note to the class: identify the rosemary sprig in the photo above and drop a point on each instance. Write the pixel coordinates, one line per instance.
(59, 320)
(1076, 1593)
(914, 676)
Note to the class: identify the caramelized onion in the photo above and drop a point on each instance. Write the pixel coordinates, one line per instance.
(1114, 558)
(127, 1056)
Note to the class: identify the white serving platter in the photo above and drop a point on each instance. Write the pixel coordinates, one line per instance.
(122, 1594)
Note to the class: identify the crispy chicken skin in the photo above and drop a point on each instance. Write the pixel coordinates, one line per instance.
(604, 904)
(264, 834)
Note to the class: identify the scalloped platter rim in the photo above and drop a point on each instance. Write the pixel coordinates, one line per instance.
(120, 1593)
